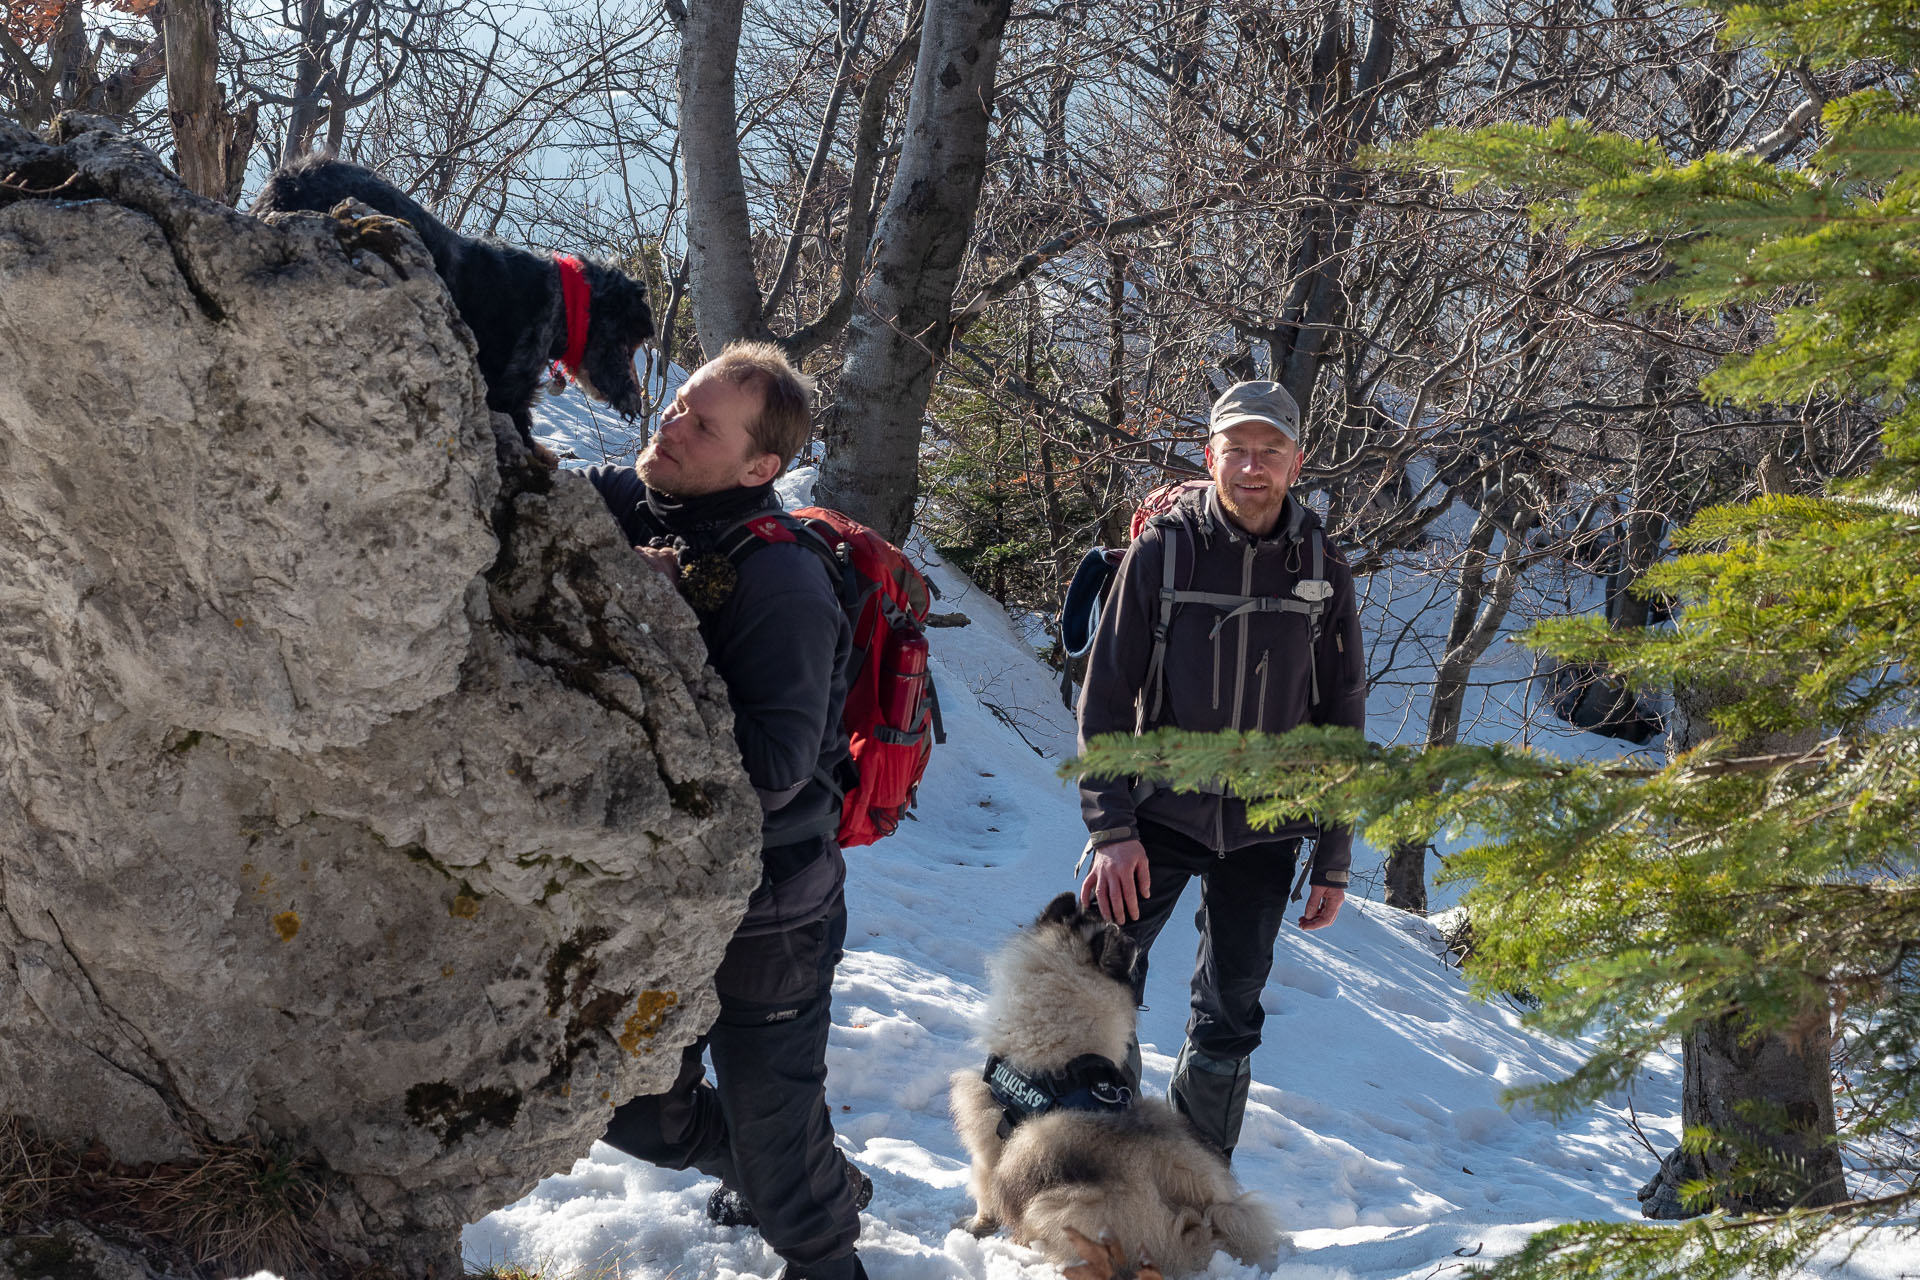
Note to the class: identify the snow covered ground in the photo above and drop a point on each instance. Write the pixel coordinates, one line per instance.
(1375, 1126)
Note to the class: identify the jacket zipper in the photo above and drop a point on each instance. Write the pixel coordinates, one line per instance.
(1260, 704)
(1216, 670)
(1240, 654)
(1239, 689)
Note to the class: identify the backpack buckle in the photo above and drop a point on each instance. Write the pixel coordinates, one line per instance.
(1313, 590)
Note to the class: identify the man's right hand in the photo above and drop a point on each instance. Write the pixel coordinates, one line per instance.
(662, 560)
(1119, 880)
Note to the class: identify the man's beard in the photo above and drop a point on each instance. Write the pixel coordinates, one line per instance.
(648, 472)
(1252, 517)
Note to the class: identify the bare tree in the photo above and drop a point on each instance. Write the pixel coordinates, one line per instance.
(62, 55)
(211, 140)
(902, 321)
(726, 296)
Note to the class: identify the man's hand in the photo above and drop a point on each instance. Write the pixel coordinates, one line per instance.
(1323, 905)
(1104, 1260)
(1119, 880)
(662, 559)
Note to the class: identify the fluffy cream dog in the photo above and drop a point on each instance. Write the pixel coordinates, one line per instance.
(1129, 1169)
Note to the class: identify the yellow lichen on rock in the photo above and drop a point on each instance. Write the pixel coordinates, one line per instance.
(649, 1015)
(286, 924)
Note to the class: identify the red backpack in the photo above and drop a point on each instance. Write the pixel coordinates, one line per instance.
(892, 715)
(1087, 592)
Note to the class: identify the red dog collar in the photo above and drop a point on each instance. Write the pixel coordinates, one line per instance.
(575, 295)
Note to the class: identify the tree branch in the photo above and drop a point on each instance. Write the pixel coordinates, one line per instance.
(823, 142)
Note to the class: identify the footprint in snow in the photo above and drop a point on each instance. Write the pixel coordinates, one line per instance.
(1469, 1054)
(1315, 982)
(1412, 1006)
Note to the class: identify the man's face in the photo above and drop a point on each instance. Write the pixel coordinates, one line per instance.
(1252, 465)
(702, 445)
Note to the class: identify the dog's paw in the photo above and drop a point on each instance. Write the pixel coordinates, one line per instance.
(358, 227)
(979, 1224)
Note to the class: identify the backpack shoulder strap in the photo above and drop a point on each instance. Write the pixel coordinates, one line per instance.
(739, 541)
(1314, 619)
(1168, 598)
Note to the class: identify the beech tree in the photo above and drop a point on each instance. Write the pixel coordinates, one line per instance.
(897, 280)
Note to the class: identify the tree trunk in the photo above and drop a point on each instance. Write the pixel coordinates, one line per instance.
(1478, 610)
(1776, 1093)
(902, 321)
(1407, 877)
(1317, 301)
(196, 105)
(304, 119)
(1772, 1092)
(725, 293)
(120, 93)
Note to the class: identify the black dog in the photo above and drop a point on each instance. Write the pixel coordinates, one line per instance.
(513, 300)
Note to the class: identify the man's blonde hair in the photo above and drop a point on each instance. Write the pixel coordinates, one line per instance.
(786, 395)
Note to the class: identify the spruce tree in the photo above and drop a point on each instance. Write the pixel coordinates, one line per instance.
(1767, 874)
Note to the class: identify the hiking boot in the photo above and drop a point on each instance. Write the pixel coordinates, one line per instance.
(1212, 1094)
(728, 1208)
(847, 1268)
(862, 1188)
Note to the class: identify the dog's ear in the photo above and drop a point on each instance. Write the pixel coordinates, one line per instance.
(1062, 910)
(619, 303)
(1113, 953)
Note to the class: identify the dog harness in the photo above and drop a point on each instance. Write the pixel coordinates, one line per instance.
(574, 295)
(1088, 1083)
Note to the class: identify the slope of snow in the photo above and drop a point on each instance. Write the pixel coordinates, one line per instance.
(1375, 1126)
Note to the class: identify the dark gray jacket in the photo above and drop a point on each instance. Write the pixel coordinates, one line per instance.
(780, 644)
(1255, 672)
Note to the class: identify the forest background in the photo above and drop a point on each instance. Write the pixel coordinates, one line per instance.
(1023, 246)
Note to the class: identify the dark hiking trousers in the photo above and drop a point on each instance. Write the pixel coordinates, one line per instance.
(1243, 903)
(762, 1127)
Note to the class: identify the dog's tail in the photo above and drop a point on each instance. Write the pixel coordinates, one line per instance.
(1247, 1229)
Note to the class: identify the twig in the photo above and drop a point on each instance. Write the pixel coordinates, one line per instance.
(1633, 1122)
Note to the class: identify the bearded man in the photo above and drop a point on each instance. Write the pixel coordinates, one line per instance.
(1229, 612)
(776, 634)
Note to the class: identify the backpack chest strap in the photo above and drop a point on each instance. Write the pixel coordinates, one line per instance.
(1237, 605)
(1314, 592)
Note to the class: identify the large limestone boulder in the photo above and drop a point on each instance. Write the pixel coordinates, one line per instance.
(363, 800)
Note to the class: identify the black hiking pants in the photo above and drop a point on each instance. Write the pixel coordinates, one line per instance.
(1243, 903)
(762, 1126)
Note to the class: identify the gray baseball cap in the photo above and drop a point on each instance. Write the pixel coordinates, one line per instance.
(1266, 402)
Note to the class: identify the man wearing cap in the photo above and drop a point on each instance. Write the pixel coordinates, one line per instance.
(1230, 612)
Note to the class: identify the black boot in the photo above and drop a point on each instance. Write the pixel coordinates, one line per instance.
(1212, 1094)
(847, 1268)
(729, 1208)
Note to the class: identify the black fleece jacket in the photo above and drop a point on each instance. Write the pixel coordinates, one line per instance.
(1253, 672)
(780, 644)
